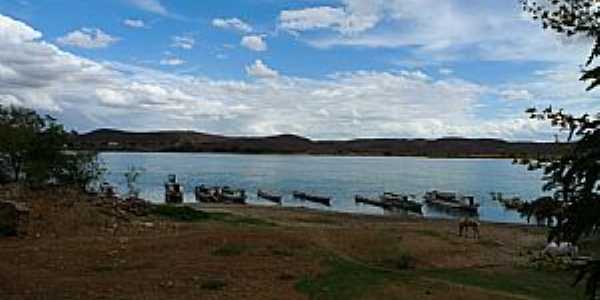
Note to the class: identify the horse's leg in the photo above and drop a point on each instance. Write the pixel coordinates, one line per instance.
(476, 232)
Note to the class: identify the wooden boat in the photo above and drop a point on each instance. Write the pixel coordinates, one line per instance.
(206, 194)
(312, 198)
(269, 196)
(390, 201)
(452, 201)
(233, 196)
(514, 203)
(374, 202)
(510, 203)
(173, 191)
(219, 195)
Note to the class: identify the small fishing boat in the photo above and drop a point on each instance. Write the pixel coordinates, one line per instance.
(173, 191)
(513, 203)
(312, 198)
(206, 194)
(509, 203)
(374, 202)
(269, 196)
(390, 201)
(233, 196)
(452, 201)
(219, 195)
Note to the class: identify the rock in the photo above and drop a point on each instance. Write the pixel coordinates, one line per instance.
(14, 218)
(148, 224)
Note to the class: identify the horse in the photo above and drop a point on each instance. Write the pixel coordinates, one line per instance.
(465, 224)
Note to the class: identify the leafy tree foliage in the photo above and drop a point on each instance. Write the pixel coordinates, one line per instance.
(33, 149)
(571, 17)
(575, 177)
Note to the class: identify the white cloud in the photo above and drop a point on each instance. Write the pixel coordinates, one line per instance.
(89, 38)
(351, 19)
(134, 23)
(344, 105)
(13, 31)
(153, 6)
(446, 71)
(183, 42)
(173, 61)
(435, 30)
(232, 23)
(260, 70)
(516, 95)
(254, 42)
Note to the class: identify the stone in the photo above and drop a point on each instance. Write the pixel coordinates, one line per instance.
(14, 218)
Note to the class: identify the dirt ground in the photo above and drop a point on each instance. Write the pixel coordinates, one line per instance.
(78, 249)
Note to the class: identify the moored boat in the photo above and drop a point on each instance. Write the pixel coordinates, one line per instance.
(391, 201)
(219, 195)
(173, 191)
(269, 196)
(312, 198)
(452, 201)
(233, 196)
(374, 202)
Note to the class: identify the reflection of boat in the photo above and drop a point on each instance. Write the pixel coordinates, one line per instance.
(313, 198)
(219, 195)
(391, 201)
(452, 201)
(269, 196)
(173, 190)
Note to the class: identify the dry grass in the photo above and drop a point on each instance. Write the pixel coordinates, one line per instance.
(259, 253)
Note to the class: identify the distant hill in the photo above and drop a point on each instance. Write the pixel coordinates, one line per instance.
(189, 141)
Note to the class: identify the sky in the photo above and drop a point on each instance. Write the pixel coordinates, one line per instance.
(325, 69)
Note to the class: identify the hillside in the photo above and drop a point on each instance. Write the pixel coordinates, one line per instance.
(189, 141)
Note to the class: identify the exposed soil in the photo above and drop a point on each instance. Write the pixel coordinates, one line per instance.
(77, 249)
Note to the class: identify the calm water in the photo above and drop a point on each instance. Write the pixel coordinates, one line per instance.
(338, 177)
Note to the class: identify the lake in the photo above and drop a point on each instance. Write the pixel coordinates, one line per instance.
(336, 176)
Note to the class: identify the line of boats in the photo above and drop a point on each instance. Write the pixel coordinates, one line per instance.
(449, 201)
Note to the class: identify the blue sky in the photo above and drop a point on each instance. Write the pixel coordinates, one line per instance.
(324, 69)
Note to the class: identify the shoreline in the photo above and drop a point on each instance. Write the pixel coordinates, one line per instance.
(466, 157)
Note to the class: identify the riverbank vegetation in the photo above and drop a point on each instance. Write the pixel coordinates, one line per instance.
(574, 178)
(35, 150)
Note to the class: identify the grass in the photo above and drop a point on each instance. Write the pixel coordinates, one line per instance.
(523, 281)
(188, 214)
(404, 261)
(343, 280)
(231, 250)
(346, 279)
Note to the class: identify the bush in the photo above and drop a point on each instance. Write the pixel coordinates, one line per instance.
(34, 150)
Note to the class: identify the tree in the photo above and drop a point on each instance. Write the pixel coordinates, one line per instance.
(571, 17)
(575, 177)
(18, 131)
(33, 149)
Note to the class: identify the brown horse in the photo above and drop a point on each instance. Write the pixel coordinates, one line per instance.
(465, 224)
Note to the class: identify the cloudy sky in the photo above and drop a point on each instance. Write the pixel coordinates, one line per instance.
(326, 69)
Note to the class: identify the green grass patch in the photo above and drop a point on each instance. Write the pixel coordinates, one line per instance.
(344, 280)
(188, 214)
(231, 250)
(520, 281)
